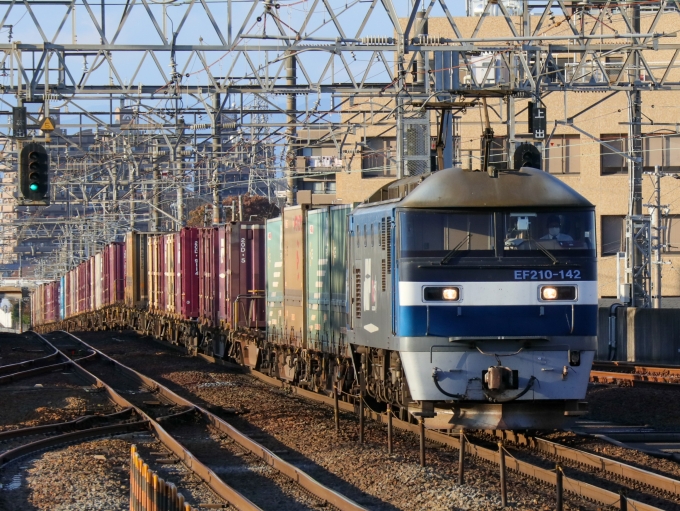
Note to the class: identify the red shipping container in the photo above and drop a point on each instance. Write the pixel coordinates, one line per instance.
(208, 268)
(187, 266)
(117, 266)
(242, 273)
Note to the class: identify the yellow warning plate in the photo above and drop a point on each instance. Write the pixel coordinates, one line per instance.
(48, 124)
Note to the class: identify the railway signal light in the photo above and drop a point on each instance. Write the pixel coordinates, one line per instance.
(34, 171)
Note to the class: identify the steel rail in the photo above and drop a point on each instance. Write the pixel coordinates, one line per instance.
(12, 368)
(613, 467)
(62, 426)
(670, 369)
(216, 484)
(574, 486)
(615, 376)
(292, 472)
(74, 436)
(8, 378)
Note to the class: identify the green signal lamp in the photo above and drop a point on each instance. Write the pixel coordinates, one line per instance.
(34, 187)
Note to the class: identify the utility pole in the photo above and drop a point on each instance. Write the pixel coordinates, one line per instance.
(636, 274)
(155, 199)
(657, 235)
(216, 143)
(291, 107)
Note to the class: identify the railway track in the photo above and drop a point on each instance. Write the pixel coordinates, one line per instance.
(634, 374)
(576, 486)
(613, 475)
(213, 449)
(638, 483)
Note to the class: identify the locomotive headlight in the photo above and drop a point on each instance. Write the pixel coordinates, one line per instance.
(441, 294)
(557, 293)
(548, 293)
(450, 293)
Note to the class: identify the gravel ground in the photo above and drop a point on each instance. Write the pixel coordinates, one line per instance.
(625, 404)
(29, 347)
(302, 433)
(46, 399)
(91, 476)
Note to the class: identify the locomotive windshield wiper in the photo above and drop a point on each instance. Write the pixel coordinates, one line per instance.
(455, 249)
(545, 251)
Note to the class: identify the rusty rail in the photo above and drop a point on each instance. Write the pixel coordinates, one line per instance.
(647, 379)
(216, 484)
(295, 474)
(13, 368)
(613, 467)
(75, 436)
(149, 491)
(64, 427)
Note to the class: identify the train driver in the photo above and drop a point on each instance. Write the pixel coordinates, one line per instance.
(554, 230)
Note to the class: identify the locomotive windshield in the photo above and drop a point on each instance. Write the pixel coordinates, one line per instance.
(555, 231)
(436, 233)
(472, 234)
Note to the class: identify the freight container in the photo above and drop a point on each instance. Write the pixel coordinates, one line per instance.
(318, 278)
(113, 258)
(241, 292)
(208, 274)
(339, 307)
(153, 277)
(136, 270)
(187, 267)
(295, 276)
(169, 273)
(274, 280)
(62, 297)
(97, 280)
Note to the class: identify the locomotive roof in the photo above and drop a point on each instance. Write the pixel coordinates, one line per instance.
(455, 187)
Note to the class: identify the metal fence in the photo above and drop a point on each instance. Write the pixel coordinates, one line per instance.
(149, 492)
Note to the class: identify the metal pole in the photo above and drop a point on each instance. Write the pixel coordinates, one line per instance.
(504, 491)
(361, 408)
(421, 428)
(389, 429)
(635, 277)
(657, 247)
(291, 107)
(155, 200)
(216, 149)
(461, 458)
(336, 407)
(623, 501)
(559, 505)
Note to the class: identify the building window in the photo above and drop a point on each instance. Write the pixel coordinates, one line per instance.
(611, 162)
(672, 234)
(563, 155)
(379, 159)
(613, 234)
(661, 150)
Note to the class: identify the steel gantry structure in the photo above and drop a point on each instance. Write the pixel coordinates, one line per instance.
(186, 98)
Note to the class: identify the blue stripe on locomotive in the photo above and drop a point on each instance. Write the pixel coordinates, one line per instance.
(515, 320)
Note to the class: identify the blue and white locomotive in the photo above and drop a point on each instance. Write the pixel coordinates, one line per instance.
(473, 299)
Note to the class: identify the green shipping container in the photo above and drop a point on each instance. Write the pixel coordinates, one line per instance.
(318, 279)
(338, 277)
(274, 285)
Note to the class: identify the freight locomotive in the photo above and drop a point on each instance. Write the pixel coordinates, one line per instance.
(465, 299)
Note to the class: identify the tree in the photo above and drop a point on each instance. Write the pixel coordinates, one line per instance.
(256, 208)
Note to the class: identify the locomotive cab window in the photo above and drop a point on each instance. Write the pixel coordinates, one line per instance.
(528, 232)
(439, 234)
